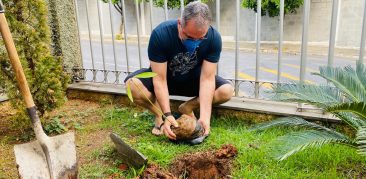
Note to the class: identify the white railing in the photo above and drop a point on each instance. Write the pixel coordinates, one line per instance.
(257, 84)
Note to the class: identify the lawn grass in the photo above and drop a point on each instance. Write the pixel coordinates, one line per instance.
(253, 160)
(97, 157)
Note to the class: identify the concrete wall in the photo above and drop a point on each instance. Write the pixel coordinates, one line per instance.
(350, 23)
(349, 26)
(131, 28)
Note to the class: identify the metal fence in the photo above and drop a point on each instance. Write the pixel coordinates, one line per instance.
(116, 76)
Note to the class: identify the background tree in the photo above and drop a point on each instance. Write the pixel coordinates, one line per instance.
(172, 4)
(272, 7)
(46, 77)
(117, 4)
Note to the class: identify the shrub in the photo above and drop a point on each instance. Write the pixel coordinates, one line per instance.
(46, 78)
(273, 6)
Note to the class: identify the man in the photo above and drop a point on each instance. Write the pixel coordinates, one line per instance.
(184, 54)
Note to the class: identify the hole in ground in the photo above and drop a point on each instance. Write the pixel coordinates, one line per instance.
(205, 165)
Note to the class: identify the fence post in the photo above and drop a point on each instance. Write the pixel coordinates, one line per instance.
(237, 47)
(258, 51)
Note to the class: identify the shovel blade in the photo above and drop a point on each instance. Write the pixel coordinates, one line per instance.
(31, 160)
(131, 156)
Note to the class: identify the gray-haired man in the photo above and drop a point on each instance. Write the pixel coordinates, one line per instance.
(184, 53)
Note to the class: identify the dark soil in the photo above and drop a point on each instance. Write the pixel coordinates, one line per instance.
(154, 171)
(358, 171)
(202, 165)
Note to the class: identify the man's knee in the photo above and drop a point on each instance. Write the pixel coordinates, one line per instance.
(137, 89)
(131, 83)
(224, 93)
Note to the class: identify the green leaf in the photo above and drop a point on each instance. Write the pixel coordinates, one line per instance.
(345, 80)
(129, 94)
(146, 75)
(321, 96)
(172, 4)
(350, 119)
(361, 140)
(361, 71)
(358, 108)
(288, 122)
(272, 7)
(294, 142)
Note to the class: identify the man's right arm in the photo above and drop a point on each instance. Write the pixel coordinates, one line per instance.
(160, 85)
(162, 95)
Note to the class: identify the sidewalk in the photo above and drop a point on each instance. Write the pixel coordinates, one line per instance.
(271, 47)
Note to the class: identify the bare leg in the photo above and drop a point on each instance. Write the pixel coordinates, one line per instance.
(221, 95)
(140, 99)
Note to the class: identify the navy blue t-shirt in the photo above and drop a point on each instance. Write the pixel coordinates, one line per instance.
(166, 46)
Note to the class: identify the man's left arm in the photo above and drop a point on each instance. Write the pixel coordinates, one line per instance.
(206, 93)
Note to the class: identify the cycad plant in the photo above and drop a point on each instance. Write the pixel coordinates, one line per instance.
(344, 96)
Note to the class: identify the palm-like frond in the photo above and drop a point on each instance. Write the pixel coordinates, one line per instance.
(361, 140)
(320, 96)
(295, 142)
(361, 71)
(346, 99)
(288, 122)
(350, 119)
(358, 108)
(346, 80)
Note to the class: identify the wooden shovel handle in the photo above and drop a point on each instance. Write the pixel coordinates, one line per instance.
(14, 59)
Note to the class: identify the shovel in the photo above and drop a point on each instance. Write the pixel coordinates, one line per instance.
(130, 155)
(47, 157)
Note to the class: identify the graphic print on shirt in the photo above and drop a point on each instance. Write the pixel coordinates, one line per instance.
(182, 63)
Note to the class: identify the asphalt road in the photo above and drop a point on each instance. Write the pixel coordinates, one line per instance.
(246, 68)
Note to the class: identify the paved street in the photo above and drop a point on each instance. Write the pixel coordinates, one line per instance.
(246, 69)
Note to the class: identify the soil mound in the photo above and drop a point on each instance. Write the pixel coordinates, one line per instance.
(205, 165)
(202, 165)
(153, 171)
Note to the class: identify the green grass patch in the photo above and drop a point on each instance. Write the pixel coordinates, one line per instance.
(253, 160)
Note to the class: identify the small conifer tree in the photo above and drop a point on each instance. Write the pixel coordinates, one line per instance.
(47, 80)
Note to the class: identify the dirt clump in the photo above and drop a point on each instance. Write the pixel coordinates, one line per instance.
(205, 165)
(154, 171)
(226, 151)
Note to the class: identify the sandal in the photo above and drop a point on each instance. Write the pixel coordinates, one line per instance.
(158, 128)
(197, 140)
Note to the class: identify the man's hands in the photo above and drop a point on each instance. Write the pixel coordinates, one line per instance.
(170, 121)
(206, 125)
